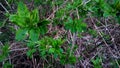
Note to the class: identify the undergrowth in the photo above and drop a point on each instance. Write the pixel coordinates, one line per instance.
(50, 30)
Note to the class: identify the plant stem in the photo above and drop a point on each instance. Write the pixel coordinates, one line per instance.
(73, 42)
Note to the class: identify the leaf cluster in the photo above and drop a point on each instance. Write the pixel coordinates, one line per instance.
(28, 22)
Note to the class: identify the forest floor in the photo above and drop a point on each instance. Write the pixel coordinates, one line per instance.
(101, 45)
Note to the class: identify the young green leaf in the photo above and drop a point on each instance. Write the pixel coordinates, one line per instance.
(34, 35)
(51, 50)
(34, 16)
(21, 34)
(20, 21)
(7, 65)
(30, 52)
(4, 53)
(22, 10)
(75, 25)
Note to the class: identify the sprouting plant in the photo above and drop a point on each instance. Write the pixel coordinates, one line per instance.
(97, 62)
(75, 25)
(7, 65)
(28, 22)
(49, 46)
(68, 58)
(30, 27)
(4, 51)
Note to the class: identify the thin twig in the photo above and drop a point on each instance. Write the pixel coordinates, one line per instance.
(4, 8)
(8, 4)
(20, 49)
(73, 42)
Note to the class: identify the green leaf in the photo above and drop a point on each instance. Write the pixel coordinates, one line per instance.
(61, 50)
(22, 10)
(21, 34)
(43, 54)
(7, 65)
(72, 59)
(75, 25)
(97, 0)
(31, 44)
(55, 55)
(20, 21)
(93, 32)
(106, 14)
(34, 35)
(43, 26)
(80, 26)
(51, 50)
(43, 30)
(22, 17)
(30, 52)
(69, 25)
(2, 57)
(97, 62)
(34, 16)
(5, 51)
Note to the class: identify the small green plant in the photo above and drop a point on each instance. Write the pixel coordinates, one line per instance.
(50, 46)
(75, 25)
(97, 62)
(30, 26)
(7, 65)
(4, 52)
(53, 47)
(92, 32)
(28, 22)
